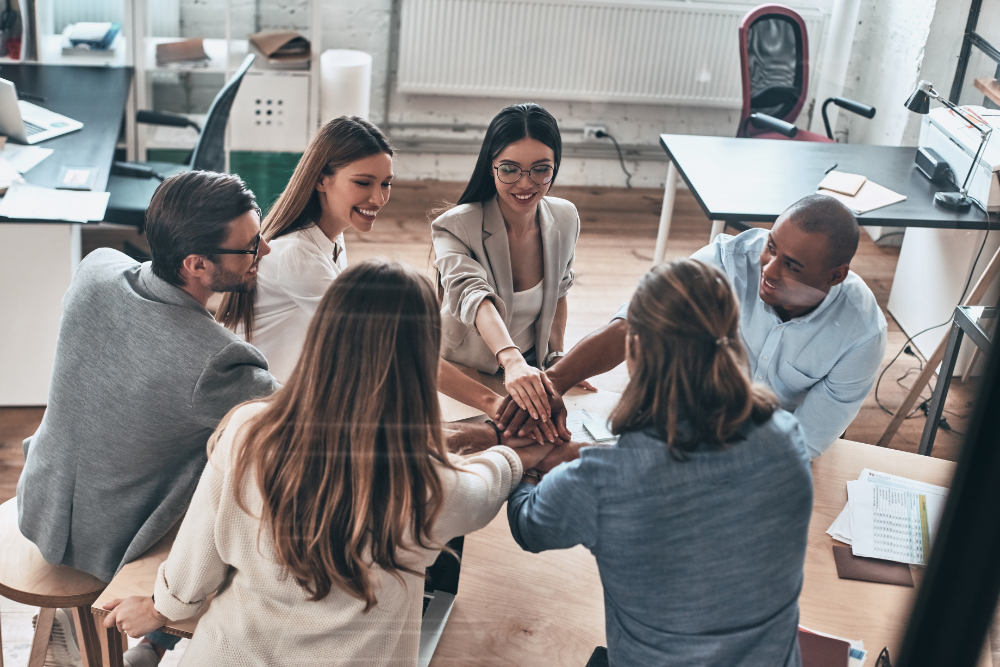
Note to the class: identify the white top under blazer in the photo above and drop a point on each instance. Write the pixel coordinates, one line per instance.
(473, 260)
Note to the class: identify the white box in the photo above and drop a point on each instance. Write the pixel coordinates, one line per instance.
(957, 141)
(271, 112)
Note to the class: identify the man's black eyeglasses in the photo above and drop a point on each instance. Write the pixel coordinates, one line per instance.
(883, 659)
(226, 251)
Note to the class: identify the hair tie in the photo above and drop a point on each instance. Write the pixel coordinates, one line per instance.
(722, 341)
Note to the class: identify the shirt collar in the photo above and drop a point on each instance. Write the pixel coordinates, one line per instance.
(323, 241)
(823, 305)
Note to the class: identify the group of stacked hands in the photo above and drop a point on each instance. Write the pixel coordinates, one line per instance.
(746, 361)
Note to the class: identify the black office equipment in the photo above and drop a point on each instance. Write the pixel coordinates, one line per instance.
(132, 184)
(932, 165)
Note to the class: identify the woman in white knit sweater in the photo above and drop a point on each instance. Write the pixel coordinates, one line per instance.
(321, 507)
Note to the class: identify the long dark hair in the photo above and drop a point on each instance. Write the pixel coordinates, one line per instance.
(690, 362)
(514, 123)
(337, 144)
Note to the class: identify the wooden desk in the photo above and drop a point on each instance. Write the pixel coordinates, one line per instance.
(547, 610)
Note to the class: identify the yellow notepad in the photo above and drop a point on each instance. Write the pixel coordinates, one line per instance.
(870, 197)
(845, 184)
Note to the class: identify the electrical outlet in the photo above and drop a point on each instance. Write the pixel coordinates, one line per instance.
(590, 132)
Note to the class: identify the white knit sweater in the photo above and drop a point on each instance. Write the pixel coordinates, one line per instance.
(260, 616)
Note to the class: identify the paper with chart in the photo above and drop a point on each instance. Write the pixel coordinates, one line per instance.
(892, 517)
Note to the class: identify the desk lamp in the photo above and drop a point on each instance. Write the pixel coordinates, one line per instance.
(920, 102)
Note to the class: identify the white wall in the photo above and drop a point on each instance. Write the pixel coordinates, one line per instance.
(897, 43)
(346, 25)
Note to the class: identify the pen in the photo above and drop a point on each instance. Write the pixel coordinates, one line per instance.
(29, 97)
(832, 167)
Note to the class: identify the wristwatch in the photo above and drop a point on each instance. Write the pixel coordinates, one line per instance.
(534, 474)
(552, 357)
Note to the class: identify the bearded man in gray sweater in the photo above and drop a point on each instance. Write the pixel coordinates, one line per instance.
(143, 374)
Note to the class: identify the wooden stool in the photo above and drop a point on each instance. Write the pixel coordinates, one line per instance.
(27, 578)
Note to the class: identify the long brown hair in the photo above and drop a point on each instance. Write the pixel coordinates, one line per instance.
(344, 454)
(337, 144)
(690, 365)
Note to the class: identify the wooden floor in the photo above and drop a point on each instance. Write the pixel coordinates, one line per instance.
(616, 247)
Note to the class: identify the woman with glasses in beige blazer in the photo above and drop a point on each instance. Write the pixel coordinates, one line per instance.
(505, 258)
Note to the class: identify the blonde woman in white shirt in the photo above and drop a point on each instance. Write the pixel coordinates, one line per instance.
(328, 500)
(342, 182)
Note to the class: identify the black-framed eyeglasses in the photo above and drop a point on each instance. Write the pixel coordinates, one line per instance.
(226, 251)
(511, 174)
(883, 659)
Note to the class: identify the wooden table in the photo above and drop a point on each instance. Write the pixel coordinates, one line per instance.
(518, 608)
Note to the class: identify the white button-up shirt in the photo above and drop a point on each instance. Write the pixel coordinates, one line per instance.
(291, 282)
(821, 365)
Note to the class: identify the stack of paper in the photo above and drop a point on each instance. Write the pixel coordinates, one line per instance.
(589, 427)
(30, 202)
(8, 175)
(890, 517)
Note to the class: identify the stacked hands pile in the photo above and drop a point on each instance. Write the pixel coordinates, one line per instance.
(296, 433)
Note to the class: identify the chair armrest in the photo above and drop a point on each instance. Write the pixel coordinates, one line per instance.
(850, 105)
(764, 122)
(160, 118)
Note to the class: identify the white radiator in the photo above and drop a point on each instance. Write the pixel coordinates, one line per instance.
(656, 52)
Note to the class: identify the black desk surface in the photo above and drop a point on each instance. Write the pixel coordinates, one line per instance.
(754, 180)
(95, 96)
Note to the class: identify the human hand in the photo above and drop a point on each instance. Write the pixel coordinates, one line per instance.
(135, 616)
(561, 453)
(530, 455)
(528, 386)
(586, 386)
(514, 421)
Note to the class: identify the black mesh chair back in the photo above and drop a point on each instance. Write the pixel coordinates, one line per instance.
(775, 57)
(209, 153)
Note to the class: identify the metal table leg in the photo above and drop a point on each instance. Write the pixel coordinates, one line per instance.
(941, 390)
(666, 214)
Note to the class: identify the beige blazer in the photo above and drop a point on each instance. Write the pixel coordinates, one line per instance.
(473, 259)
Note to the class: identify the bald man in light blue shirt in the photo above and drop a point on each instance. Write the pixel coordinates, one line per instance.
(812, 329)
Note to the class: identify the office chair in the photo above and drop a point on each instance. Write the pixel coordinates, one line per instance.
(774, 63)
(132, 184)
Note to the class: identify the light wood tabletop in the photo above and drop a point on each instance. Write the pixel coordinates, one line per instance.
(546, 610)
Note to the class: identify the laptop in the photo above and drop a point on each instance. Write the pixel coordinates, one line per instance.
(27, 123)
(440, 588)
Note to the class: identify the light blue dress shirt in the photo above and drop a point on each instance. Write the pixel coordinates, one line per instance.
(700, 560)
(821, 365)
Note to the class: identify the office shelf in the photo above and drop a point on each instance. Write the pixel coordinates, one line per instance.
(220, 57)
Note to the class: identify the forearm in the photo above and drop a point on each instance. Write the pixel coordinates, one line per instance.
(492, 328)
(558, 333)
(465, 439)
(597, 353)
(455, 384)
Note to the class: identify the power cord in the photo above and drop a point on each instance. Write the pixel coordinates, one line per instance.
(906, 345)
(600, 134)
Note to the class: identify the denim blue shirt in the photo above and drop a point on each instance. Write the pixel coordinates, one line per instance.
(701, 560)
(821, 365)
